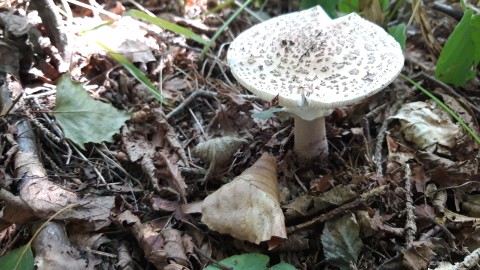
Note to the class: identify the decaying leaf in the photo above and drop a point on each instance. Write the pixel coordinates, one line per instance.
(471, 205)
(426, 124)
(341, 241)
(162, 247)
(247, 208)
(309, 205)
(217, 152)
(419, 255)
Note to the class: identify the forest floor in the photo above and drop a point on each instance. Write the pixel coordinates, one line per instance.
(118, 178)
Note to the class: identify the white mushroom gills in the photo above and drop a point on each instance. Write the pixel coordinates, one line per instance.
(313, 64)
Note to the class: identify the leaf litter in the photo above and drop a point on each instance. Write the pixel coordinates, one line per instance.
(135, 168)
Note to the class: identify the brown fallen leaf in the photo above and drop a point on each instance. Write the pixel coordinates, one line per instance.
(247, 208)
(217, 152)
(164, 248)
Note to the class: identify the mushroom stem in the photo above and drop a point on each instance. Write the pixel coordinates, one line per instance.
(310, 138)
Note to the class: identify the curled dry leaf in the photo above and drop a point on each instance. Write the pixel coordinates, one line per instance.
(426, 124)
(247, 208)
(217, 152)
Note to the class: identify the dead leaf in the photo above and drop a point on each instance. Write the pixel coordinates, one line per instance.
(461, 219)
(164, 248)
(158, 203)
(471, 205)
(247, 208)
(341, 242)
(426, 124)
(217, 152)
(418, 256)
(16, 25)
(307, 205)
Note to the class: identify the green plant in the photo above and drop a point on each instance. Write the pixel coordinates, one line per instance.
(461, 54)
(335, 8)
(137, 73)
(166, 25)
(250, 261)
(399, 33)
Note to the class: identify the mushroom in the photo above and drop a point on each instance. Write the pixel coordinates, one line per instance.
(314, 64)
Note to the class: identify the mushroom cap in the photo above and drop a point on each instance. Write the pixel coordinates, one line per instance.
(314, 64)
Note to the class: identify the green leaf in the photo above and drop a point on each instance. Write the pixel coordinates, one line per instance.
(248, 261)
(18, 259)
(167, 25)
(348, 6)
(82, 118)
(283, 266)
(385, 5)
(330, 6)
(461, 54)
(399, 33)
(267, 113)
(341, 241)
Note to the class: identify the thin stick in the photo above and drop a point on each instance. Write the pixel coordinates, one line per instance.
(410, 225)
(339, 210)
(189, 99)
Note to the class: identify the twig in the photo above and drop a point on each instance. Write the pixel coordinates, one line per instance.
(216, 263)
(201, 172)
(53, 24)
(95, 9)
(377, 156)
(339, 210)
(470, 261)
(410, 225)
(305, 189)
(189, 99)
(13, 148)
(14, 103)
(99, 174)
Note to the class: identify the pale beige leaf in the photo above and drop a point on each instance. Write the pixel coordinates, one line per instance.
(426, 124)
(247, 208)
(217, 152)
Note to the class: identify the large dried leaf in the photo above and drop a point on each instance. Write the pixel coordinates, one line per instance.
(341, 241)
(84, 119)
(247, 208)
(426, 124)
